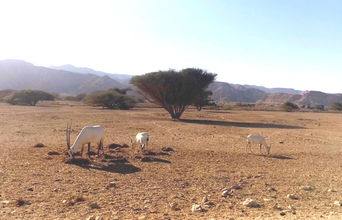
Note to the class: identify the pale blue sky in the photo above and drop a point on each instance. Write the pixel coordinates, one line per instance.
(294, 44)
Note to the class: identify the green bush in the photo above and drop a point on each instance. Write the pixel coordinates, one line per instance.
(337, 106)
(27, 97)
(112, 99)
(289, 107)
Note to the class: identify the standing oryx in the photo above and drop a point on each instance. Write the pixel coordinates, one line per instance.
(252, 138)
(88, 134)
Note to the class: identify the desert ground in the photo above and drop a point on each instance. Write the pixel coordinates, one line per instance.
(207, 155)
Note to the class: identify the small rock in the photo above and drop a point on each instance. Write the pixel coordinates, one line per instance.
(205, 199)
(292, 196)
(307, 188)
(282, 213)
(116, 217)
(331, 190)
(250, 203)
(55, 190)
(278, 207)
(99, 218)
(339, 203)
(235, 187)
(30, 189)
(111, 185)
(196, 208)
(94, 205)
(267, 200)
(143, 217)
(226, 193)
(91, 217)
(64, 201)
(174, 206)
(147, 201)
(208, 204)
(5, 202)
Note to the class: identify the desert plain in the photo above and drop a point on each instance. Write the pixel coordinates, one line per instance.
(188, 162)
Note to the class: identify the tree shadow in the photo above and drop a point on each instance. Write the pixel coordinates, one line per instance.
(153, 159)
(239, 124)
(280, 157)
(115, 166)
(151, 153)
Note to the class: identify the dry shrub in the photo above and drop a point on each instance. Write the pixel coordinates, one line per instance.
(53, 153)
(39, 145)
(21, 202)
(75, 199)
(167, 149)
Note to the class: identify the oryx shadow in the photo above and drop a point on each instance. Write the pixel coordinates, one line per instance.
(276, 156)
(115, 146)
(239, 124)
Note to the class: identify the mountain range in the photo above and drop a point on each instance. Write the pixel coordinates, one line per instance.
(71, 80)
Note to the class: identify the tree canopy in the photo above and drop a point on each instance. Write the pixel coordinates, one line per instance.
(27, 97)
(175, 90)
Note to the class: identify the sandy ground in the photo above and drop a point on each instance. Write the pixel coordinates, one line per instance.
(208, 156)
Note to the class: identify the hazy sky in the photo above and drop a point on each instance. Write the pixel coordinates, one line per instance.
(294, 44)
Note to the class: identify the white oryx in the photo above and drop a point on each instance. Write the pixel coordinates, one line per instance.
(252, 138)
(142, 138)
(88, 134)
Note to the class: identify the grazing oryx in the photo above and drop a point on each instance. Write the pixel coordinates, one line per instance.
(142, 138)
(252, 138)
(87, 135)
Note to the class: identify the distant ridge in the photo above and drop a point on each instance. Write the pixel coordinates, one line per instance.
(122, 78)
(71, 80)
(16, 75)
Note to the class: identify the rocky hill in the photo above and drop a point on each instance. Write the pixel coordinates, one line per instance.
(16, 75)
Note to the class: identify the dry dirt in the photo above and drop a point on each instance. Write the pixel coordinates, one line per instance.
(209, 155)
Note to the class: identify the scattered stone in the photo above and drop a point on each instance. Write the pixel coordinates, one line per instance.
(64, 201)
(281, 142)
(116, 217)
(267, 200)
(142, 217)
(91, 218)
(226, 193)
(5, 202)
(55, 190)
(205, 199)
(111, 185)
(174, 206)
(282, 213)
(250, 203)
(292, 196)
(307, 188)
(278, 207)
(339, 203)
(331, 190)
(99, 218)
(30, 189)
(147, 201)
(208, 204)
(235, 187)
(94, 205)
(272, 189)
(196, 208)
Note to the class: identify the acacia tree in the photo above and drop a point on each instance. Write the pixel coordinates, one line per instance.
(28, 97)
(173, 90)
